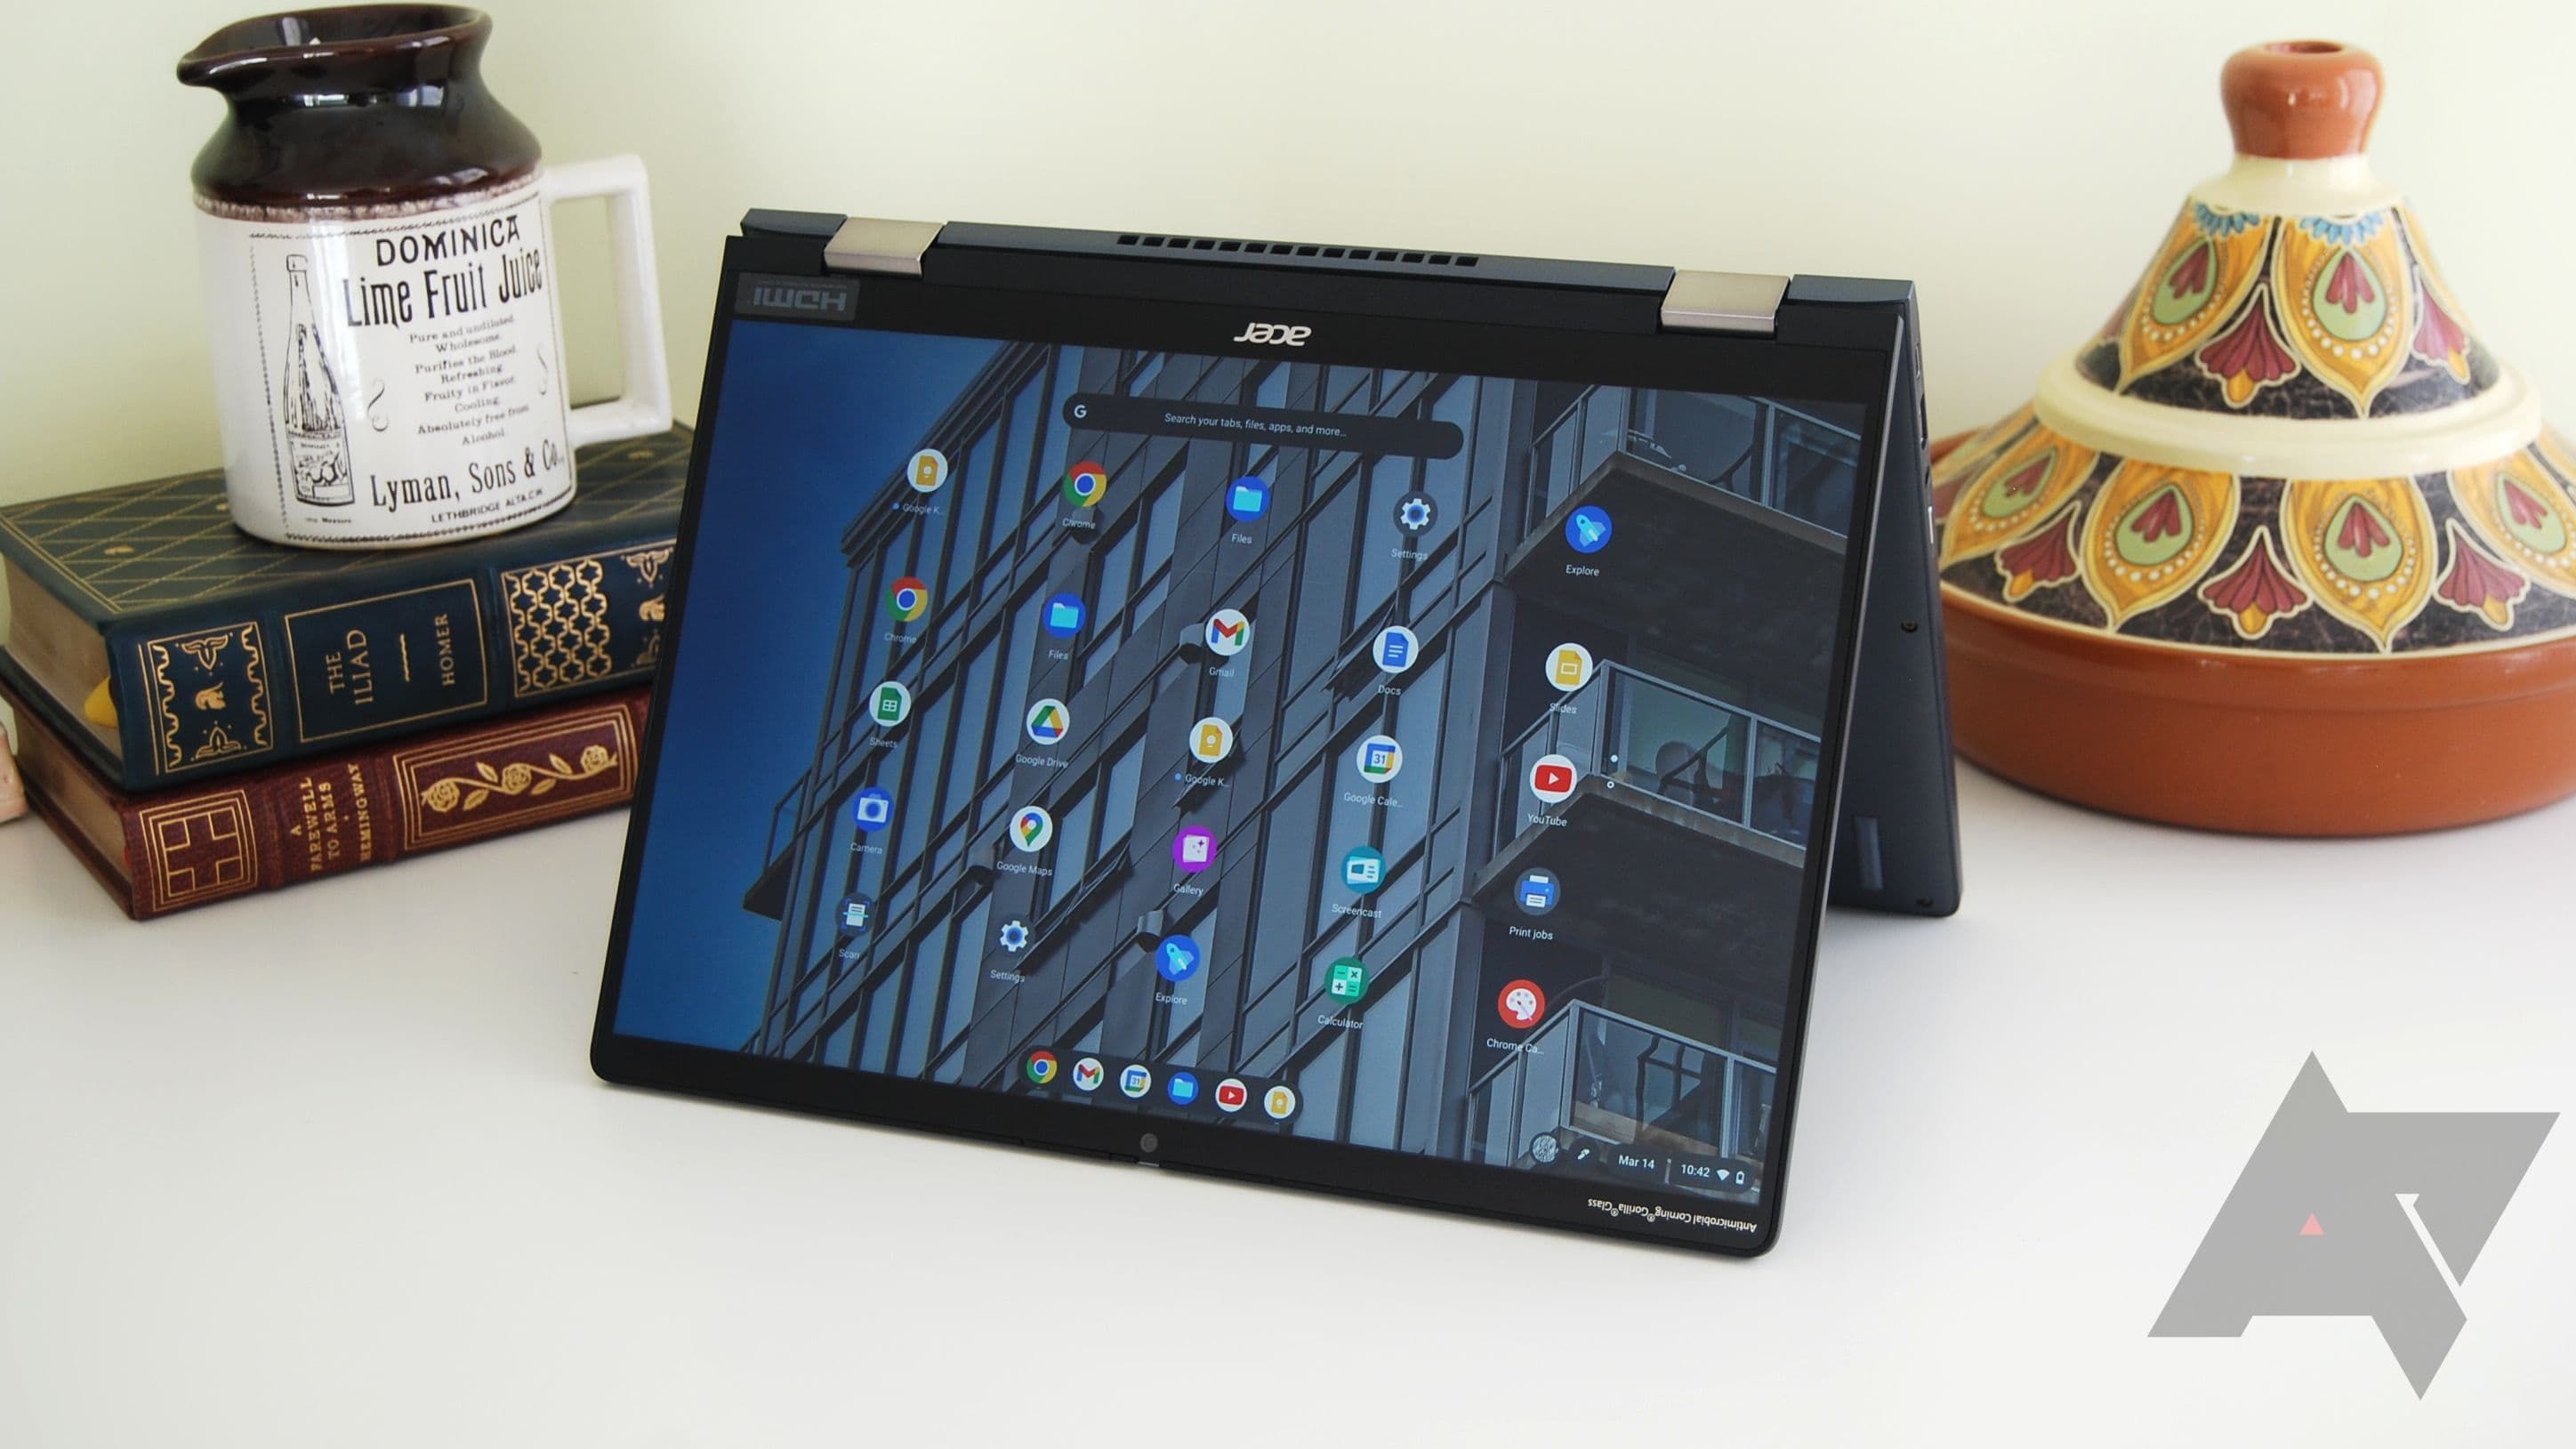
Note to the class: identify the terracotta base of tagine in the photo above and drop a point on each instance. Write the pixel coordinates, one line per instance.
(2264, 744)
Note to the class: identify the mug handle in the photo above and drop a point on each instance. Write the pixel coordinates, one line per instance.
(643, 404)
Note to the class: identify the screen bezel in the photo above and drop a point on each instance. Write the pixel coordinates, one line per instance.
(1861, 374)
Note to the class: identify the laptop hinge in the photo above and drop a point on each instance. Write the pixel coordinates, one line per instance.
(1724, 302)
(871, 244)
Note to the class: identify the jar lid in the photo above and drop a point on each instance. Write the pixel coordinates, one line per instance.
(2293, 324)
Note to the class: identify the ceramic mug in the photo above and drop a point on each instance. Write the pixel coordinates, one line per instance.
(381, 285)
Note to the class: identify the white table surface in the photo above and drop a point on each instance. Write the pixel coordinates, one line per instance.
(329, 1167)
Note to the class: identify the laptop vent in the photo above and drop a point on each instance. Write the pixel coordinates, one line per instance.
(1224, 247)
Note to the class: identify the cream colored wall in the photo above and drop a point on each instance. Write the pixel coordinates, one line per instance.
(2019, 160)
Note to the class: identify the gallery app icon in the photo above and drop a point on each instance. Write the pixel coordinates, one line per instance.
(1415, 513)
(1347, 979)
(1569, 667)
(1085, 484)
(1088, 1074)
(1177, 958)
(1364, 868)
(1395, 649)
(1048, 721)
(1232, 1095)
(1211, 740)
(927, 470)
(1194, 849)
(1031, 829)
(1183, 1088)
(1135, 1080)
(907, 598)
(1379, 758)
(1553, 777)
(1587, 529)
(857, 913)
(1248, 499)
(1228, 633)
(1280, 1102)
(1041, 1067)
(1064, 615)
(890, 705)
(1521, 1004)
(872, 810)
(1536, 891)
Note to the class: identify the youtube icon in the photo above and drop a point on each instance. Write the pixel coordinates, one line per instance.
(1231, 1095)
(1552, 778)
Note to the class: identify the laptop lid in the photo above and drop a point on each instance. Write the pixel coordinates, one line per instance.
(1351, 718)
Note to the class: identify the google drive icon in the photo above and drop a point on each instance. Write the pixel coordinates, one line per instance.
(1048, 722)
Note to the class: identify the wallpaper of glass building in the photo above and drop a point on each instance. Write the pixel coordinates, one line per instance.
(1664, 957)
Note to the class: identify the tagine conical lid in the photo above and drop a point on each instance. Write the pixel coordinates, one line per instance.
(2285, 472)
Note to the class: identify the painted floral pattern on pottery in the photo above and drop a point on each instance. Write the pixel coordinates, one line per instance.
(2287, 480)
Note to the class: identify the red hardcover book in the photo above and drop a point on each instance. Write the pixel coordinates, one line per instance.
(173, 849)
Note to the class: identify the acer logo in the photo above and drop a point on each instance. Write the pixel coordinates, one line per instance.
(1278, 332)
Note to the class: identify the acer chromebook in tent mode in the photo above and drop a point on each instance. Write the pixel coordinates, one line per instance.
(1355, 719)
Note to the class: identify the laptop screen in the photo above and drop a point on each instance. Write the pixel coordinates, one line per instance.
(1419, 761)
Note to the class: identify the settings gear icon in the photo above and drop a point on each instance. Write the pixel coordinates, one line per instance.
(1014, 937)
(1413, 512)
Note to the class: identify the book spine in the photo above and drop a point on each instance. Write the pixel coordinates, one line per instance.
(276, 828)
(202, 695)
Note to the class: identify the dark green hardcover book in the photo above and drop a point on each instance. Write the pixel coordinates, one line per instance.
(191, 649)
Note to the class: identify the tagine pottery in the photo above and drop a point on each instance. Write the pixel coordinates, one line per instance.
(2284, 548)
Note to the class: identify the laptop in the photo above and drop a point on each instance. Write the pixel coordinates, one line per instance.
(1378, 721)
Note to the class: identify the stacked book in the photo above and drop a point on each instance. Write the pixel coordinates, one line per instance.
(201, 714)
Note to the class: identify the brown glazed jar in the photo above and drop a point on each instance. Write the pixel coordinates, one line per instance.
(380, 283)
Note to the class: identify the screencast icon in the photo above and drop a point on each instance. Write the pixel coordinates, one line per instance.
(1364, 869)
